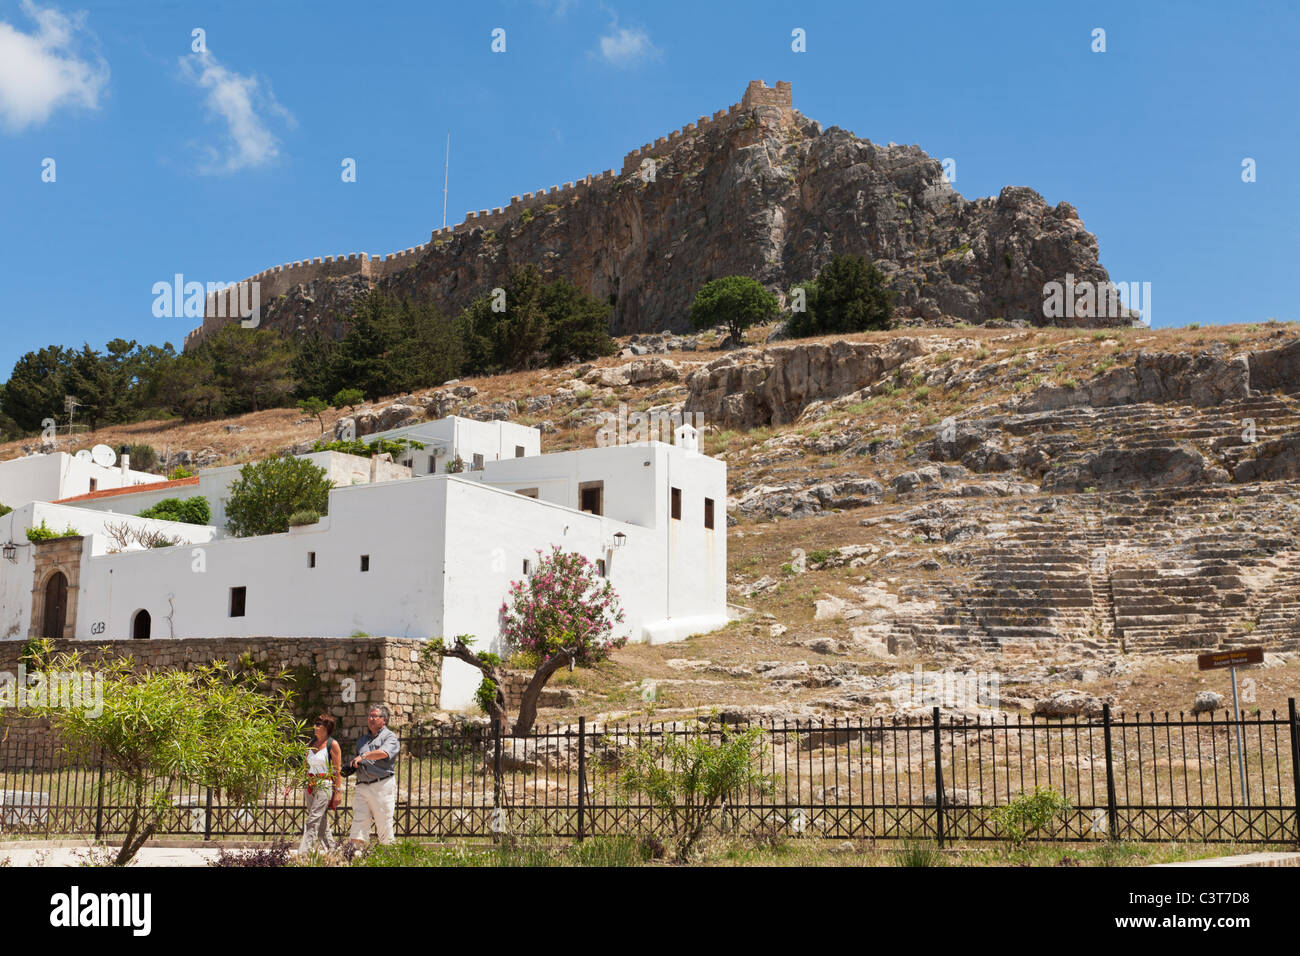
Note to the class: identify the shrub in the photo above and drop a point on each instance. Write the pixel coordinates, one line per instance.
(4, 509)
(455, 466)
(303, 517)
(143, 457)
(179, 472)
(734, 301)
(277, 854)
(397, 447)
(190, 511)
(1029, 812)
(44, 533)
(920, 853)
(266, 493)
(689, 780)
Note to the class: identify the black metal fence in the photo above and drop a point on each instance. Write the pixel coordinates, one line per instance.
(1200, 779)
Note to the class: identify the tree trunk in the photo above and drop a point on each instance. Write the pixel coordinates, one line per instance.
(533, 692)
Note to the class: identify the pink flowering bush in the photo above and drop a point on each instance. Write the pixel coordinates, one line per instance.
(566, 603)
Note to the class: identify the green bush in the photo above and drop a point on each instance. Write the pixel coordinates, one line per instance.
(143, 457)
(43, 533)
(688, 779)
(194, 510)
(734, 301)
(395, 447)
(1029, 812)
(180, 472)
(266, 493)
(302, 518)
(4, 509)
(348, 398)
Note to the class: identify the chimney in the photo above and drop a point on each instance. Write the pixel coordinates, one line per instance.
(124, 457)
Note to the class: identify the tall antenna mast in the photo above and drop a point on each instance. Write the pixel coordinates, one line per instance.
(446, 173)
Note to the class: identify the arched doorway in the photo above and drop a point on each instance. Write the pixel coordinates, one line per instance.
(140, 626)
(56, 605)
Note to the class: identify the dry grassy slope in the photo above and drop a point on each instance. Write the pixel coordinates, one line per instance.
(719, 670)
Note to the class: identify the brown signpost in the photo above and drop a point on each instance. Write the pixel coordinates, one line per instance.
(1234, 658)
(1237, 657)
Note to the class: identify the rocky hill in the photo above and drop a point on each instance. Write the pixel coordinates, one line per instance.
(756, 190)
(1076, 511)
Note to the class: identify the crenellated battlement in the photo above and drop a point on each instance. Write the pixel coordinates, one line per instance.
(278, 280)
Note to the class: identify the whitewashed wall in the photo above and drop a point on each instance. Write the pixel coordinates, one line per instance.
(60, 475)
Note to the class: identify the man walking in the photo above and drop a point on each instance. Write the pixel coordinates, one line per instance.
(376, 790)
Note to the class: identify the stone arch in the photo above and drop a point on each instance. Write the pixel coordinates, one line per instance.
(61, 557)
(141, 625)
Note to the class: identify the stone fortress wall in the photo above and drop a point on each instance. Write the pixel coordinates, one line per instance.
(220, 308)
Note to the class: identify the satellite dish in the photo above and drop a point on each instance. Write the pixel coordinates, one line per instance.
(103, 455)
(83, 455)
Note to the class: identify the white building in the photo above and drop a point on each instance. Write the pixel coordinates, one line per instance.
(431, 555)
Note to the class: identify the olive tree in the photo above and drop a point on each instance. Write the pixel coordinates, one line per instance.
(734, 301)
(157, 731)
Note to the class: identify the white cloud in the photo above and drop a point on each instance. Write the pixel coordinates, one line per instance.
(42, 71)
(624, 47)
(244, 106)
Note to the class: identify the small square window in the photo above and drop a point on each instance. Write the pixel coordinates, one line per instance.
(478, 463)
(365, 562)
(708, 512)
(677, 503)
(600, 567)
(519, 451)
(238, 598)
(311, 559)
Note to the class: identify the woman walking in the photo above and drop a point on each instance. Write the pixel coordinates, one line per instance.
(324, 785)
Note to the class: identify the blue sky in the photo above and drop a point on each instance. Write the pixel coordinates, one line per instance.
(218, 165)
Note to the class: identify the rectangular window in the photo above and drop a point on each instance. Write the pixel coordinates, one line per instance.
(600, 567)
(365, 562)
(526, 492)
(94, 483)
(519, 451)
(677, 503)
(237, 601)
(433, 464)
(708, 512)
(311, 559)
(591, 497)
(478, 463)
(528, 567)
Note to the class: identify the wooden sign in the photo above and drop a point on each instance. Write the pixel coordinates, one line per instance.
(1234, 658)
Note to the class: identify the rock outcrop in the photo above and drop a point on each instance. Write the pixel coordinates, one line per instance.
(762, 191)
(751, 388)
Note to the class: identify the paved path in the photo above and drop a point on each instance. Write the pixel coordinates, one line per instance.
(1244, 859)
(72, 854)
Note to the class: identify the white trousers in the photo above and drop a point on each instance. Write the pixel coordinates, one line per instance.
(374, 802)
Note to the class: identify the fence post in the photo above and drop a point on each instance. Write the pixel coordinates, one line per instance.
(1112, 812)
(582, 777)
(207, 814)
(938, 780)
(99, 802)
(1295, 767)
(497, 810)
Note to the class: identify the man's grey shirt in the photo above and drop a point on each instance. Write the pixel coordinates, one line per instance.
(369, 771)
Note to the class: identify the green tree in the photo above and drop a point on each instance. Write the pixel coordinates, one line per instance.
(578, 324)
(266, 493)
(314, 407)
(850, 295)
(36, 387)
(162, 730)
(734, 301)
(511, 339)
(349, 398)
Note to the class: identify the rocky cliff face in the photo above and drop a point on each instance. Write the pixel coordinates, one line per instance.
(764, 192)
